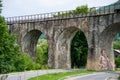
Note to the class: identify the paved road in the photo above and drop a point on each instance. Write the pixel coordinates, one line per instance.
(97, 76)
(29, 74)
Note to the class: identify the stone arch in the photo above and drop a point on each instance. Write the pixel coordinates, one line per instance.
(105, 43)
(63, 48)
(29, 34)
(29, 42)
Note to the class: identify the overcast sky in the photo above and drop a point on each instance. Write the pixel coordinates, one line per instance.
(29, 7)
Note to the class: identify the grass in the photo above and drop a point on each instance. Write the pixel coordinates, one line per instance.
(117, 69)
(61, 75)
(119, 78)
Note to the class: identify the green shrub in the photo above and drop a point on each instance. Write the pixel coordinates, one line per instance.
(42, 53)
(116, 44)
(117, 62)
(37, 66)
(79, 50)
(8, 49)
(24, 62)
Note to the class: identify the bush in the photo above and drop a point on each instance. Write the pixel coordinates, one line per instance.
(42, 53)
(116, 44)
(117, 62)
(24, 62)
(79, 50)
(8, 49)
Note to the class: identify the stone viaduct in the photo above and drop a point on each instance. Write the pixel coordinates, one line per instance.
(99, 27)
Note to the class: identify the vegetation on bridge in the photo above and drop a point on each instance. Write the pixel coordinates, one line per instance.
(79, 10)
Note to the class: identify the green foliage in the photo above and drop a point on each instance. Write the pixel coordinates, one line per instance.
(116, 44)
(79, 10)
(24, 62)
(8, 49)
(117, 62)
(79, 49)
(11, 59)
(119, 77)
(42, 53)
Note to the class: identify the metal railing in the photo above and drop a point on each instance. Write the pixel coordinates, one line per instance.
(64, 14)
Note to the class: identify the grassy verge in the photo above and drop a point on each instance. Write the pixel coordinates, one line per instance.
(117, 69)
(119, 78)
(61, 75)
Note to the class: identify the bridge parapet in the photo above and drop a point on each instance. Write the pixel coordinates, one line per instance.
(94, 11)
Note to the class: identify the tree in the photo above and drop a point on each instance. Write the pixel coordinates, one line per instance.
(79, 49)
(81, 10)
(11, 59)
(8, 49)
(42, 52)
(116, 45)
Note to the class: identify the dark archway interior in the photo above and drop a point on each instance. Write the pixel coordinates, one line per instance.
(79, 50)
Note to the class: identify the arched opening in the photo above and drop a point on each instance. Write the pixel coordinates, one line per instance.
(63, 49)
(29, 42)
(42, 52)
(79, 50)
(35, 44)
(106, 44)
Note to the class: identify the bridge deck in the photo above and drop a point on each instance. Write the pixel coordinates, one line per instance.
(96, 11)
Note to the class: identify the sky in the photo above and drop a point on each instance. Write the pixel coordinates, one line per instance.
(30, 7)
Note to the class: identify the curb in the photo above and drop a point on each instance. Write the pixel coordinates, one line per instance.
(3, 77)
(112, 78)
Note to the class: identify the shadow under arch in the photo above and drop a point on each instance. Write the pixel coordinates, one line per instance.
(106, 43)
(63, 48)
(79, 50)
(29, 42)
